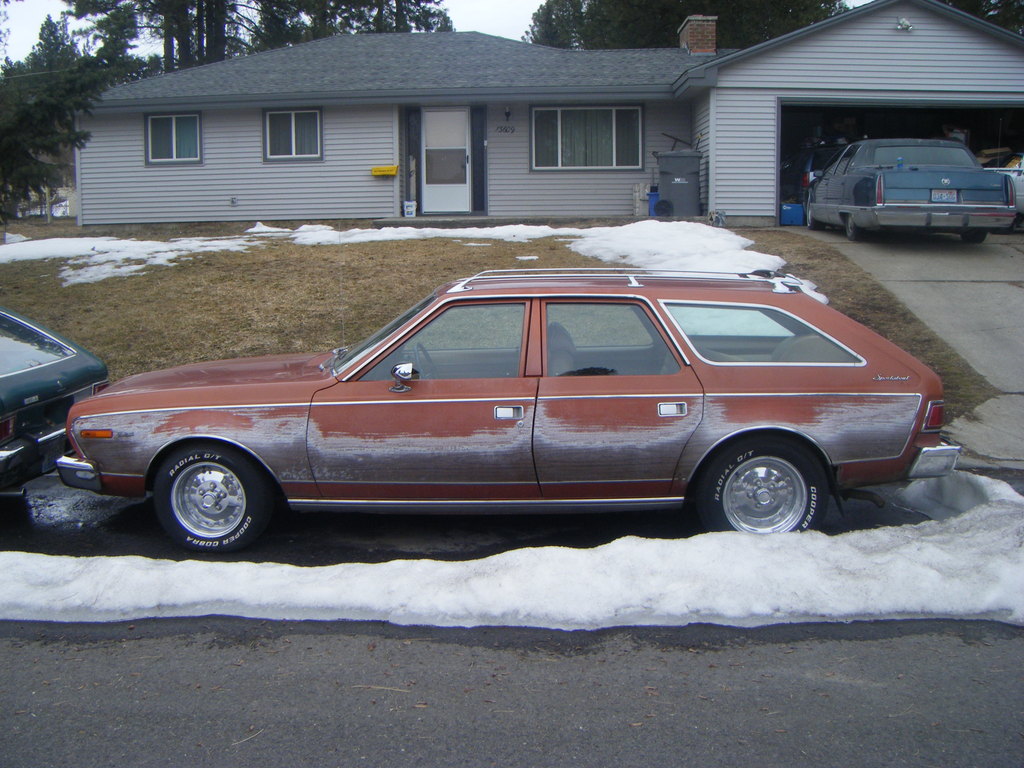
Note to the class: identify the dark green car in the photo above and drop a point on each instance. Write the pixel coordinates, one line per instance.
(41, 376)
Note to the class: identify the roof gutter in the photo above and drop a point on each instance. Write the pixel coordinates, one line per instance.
(575, 94)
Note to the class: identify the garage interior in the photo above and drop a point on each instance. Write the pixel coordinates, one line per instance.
(994, 134)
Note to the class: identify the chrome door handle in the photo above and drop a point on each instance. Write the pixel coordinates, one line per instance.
(514, 412)
(671, 409)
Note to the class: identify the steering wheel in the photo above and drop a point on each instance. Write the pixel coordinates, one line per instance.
(425, 362)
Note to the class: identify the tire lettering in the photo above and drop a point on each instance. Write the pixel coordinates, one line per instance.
(193, 457)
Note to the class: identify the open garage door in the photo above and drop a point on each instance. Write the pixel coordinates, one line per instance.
(811, 134)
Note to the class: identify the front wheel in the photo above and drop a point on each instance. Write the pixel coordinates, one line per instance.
(212, 497)
(812, 223)
(762, 485)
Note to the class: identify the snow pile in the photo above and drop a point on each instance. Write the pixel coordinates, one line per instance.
(648, 244)
(969, 566)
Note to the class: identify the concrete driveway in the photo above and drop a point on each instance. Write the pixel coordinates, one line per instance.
(972, 296)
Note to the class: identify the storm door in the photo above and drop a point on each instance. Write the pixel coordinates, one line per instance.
(447, 176)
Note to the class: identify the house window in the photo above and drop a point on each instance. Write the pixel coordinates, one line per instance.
(586, 137)
(172, 138)
(292, 134)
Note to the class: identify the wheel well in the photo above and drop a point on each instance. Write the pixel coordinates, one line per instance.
(774, 434)
(158, 459)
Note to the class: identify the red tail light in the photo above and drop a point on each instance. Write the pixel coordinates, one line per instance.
(99, 387)
(1011, 192)
(880, 190)
(6, 428)
(935, 416)
(805, 180)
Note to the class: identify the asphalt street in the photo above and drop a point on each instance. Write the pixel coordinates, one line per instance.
(229, 692)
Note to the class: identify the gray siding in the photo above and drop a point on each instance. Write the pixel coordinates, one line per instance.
(865, 61)
(116, 185)
(514, 190)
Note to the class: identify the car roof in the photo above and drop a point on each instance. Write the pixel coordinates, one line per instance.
(627, 281)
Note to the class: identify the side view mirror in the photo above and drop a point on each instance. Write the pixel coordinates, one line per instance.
(402, 373)
(813, 176)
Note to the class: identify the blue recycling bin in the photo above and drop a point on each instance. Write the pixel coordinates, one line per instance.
(652, 199)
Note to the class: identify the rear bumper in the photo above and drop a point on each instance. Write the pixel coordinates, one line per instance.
(78, 473)
(937, 218)
(30, 455)
(935, 461)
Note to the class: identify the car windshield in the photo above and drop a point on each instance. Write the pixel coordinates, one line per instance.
(921, 155)
(349, 354)
(23, 347)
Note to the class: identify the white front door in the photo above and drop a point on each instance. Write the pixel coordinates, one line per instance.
(445, 162)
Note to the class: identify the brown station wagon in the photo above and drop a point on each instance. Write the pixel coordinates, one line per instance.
(533, 391)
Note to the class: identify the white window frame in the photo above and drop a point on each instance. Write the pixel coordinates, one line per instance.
(294, 155)
(614, 167)
(174, 118)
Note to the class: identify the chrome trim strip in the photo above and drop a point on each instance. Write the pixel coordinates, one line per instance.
(624, 396)
(709, 395)
(403, 401)
(185, 408)
(506, 506)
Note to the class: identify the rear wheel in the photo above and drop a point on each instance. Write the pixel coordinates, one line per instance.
(853, 232)
(212, 497)
(762, 485)
(974, 236)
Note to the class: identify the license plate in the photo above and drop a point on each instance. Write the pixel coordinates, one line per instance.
(51, 451)
(943, 195)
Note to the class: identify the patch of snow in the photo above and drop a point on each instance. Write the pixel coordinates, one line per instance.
(968, 566)
(645, 244)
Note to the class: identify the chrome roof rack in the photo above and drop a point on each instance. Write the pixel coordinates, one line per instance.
(781, 282)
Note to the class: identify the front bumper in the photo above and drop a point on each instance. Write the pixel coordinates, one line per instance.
(78, 473)
(936, 218)
(935, 461)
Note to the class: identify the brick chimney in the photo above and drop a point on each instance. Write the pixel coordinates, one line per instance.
(698, 34)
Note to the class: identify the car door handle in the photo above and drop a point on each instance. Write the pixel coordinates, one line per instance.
(671, 409)
(514, 412)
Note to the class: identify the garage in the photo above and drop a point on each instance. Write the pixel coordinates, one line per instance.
(886, 69)
(811, 133)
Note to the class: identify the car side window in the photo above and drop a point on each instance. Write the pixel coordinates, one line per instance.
(843, 162)
(750, 334)
(604, 339)
(467, 341)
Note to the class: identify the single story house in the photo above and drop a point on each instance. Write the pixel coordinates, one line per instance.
(462, 123)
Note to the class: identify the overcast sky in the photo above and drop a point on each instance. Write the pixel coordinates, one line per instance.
(505, 18)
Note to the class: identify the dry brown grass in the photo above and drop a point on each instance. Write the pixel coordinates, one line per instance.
(283, 297)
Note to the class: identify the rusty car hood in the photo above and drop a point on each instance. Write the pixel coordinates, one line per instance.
(239, 372)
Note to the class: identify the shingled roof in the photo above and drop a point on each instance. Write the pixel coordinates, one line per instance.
(412, 67)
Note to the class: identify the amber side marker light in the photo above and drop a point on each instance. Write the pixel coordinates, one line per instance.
(96, 434)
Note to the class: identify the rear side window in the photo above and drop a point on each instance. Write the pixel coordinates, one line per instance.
(749, 334)
(23, 347)
(605, 339)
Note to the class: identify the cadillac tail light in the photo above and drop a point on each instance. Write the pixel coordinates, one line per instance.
(936, 415)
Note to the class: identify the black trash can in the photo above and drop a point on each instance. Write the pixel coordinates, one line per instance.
(678, 183)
